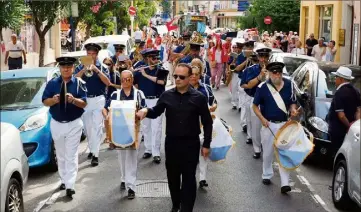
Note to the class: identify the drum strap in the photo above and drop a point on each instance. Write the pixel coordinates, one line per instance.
(118, 92)
(277, 97)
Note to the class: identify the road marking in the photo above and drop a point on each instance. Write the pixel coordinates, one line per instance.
(296, 190)
(48, 201)
(319, 199)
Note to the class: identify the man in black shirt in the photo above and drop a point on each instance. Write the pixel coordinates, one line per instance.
(345, 107)
(184, 106)
(310, 42)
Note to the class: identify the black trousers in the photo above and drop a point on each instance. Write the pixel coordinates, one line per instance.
(182, 156)
(15, 63)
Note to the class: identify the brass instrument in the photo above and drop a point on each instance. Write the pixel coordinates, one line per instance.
(197, 39)
(87, 61)
(137, 56)
(232, 66)
(88, 72)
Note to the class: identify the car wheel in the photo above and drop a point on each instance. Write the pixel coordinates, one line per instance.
(340, 196)
(53, 163)
(14, 197)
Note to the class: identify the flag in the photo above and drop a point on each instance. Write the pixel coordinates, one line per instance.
(201, 27)
(172, 24)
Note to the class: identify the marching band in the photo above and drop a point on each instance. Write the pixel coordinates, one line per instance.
(87, 97)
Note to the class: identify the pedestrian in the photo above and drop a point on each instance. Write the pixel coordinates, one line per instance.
(218, 59)
(114, 77)
(184, 107)
(204, 78)
(310, 43)
(206, 90)
(152, 81)
(119, 50)
(319, 50)
(127, 157)
(250, 81)
(345, 107)
(298, 50)
(96, 84)
(14, 54)
(273, 100)
(331, 51)
(66, 97)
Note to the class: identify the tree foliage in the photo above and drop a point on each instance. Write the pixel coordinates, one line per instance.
(166, 5)
(285, 15)
(44, 15)
(11, 14)
(145, 10)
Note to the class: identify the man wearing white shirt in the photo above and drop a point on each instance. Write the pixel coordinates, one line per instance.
(319, 50)
(14, 52)
(298, 50)
(138, 34)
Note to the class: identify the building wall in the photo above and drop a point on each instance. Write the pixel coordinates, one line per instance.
(229, 12)
(31, 43)
(356, 42)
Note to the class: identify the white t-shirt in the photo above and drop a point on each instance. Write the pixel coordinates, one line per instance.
(15, 50)
(138, 35)
(317, 52)
(218, 56)
(298, 51)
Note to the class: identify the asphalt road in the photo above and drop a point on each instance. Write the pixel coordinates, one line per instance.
(234, 185)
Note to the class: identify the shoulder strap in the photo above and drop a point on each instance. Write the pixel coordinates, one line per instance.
(277, 97)
(118, 93)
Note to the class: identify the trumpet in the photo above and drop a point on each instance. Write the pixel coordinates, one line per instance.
(88, 72)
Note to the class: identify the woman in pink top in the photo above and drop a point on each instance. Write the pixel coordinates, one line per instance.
(219, 57)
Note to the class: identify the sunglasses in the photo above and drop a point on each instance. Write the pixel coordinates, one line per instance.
(179, 76)
(108, 64)
(128, 79)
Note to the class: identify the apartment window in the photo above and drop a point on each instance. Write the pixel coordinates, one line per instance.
(326, 22)
(306, 11)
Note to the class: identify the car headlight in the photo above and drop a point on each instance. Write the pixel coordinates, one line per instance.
(319, 124)
(34, 122)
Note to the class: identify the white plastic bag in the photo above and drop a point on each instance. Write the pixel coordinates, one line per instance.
(222, 141)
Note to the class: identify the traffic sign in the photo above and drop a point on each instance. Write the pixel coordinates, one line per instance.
(132, 11)
(267, 20)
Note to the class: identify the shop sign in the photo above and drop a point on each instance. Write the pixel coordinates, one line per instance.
(341, 37)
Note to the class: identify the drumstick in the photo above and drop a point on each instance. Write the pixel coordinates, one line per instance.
(271, 132)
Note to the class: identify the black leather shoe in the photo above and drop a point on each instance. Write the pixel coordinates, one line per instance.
(244, 129)
(95, 161)
(142, 140)
(174, 209)
(147, 155)
(131, 194)
(83, 137)
(70, 192)
(62, 186)
(90, 155)
(203, 183)
(266, 181)
(122, 186)
(234, 108)
(239, 110)
(156, 159)
(285, 189)
(257, 155)
(249, 141)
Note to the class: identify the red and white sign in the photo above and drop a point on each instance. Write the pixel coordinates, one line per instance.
(267, 20)
(132, 11)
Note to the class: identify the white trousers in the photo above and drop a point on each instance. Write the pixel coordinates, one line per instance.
(170, 67)
(255, 130)
(248, 116)
(128, 161)
(93, 123)
(234, 90)
(152, 131)
(244, 100)
(66, 138)
(268, 153)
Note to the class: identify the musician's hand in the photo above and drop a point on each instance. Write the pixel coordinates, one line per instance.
(69, 98)
(94, 68)
(205, 152)
(265, 122)
(143, 72)
(142, 113)
(295, 112)
(56, 99)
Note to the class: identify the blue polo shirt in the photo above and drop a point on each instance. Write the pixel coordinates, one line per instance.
(94, 84)
(269, 108)
(71, 111)
(206, 79)
(206, 90)
(240, 59)
(249, 74)
(179, 49)
(114, 79)
(149, 87)
(123, 96)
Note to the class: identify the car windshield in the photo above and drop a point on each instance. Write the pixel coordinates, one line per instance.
(21, 93)
(292, 63)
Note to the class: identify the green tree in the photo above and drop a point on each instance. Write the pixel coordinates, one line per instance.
(285, 15)
(11, 15)
(145, 10)
(44, 15)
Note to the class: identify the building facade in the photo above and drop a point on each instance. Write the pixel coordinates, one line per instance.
(334, 20)
(225, 14)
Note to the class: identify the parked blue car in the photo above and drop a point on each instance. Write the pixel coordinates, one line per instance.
(21, 105)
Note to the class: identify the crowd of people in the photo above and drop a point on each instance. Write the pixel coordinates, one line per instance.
(81, 98)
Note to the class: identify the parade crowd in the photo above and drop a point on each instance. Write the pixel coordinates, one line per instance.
(82, 97)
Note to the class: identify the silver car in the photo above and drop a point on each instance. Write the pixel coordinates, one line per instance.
(346, 176)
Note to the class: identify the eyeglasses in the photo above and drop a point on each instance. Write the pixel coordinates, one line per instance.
(128, 79)
(179, 76)
(196, 74)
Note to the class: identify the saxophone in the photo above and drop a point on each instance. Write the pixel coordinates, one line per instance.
(232, 66)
